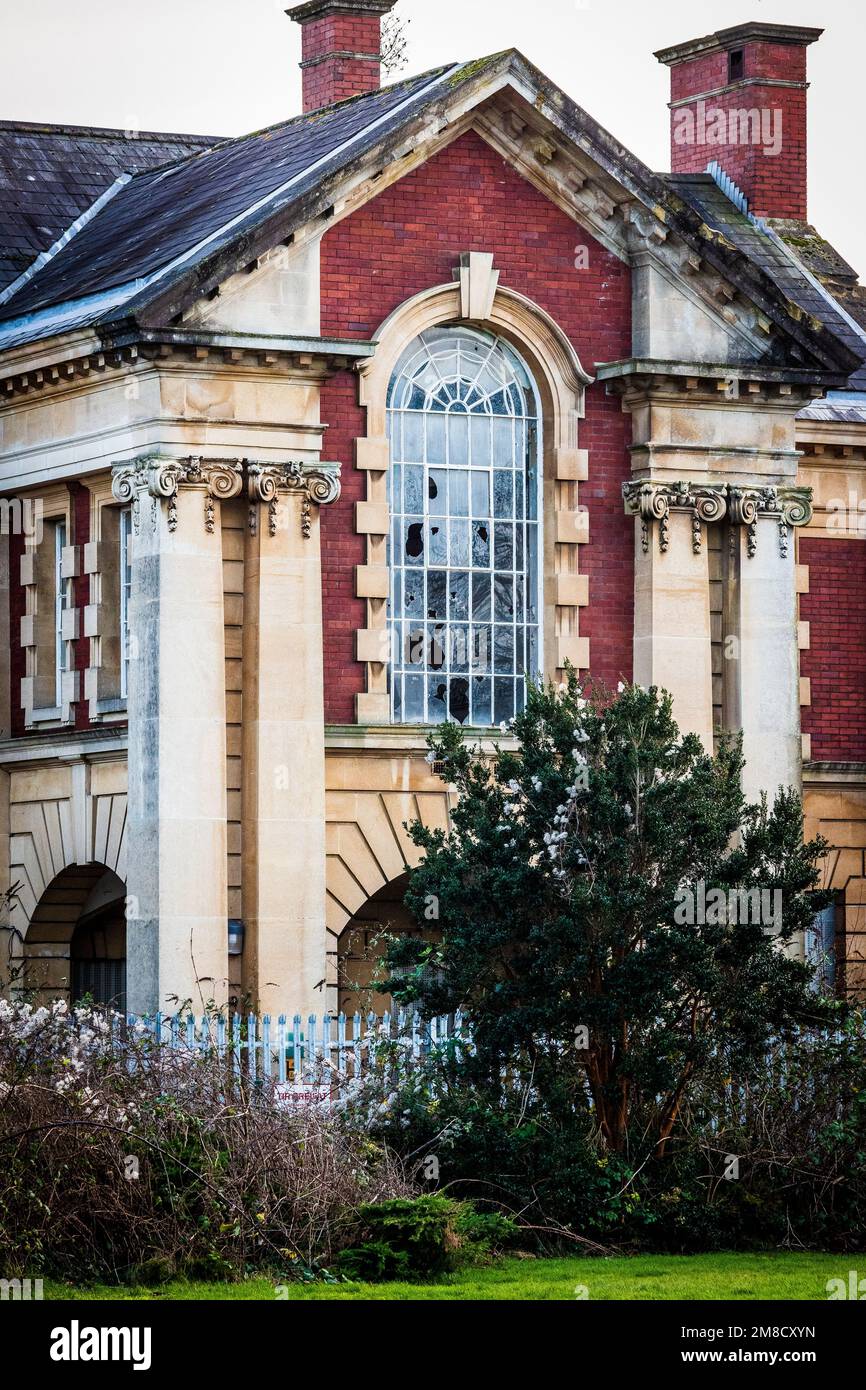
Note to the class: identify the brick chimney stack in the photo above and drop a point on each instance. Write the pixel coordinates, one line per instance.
(738, 97)
(341, 48)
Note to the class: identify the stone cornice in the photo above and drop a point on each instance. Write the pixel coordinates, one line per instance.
(754, 31)
(710, 503)
(87, 358)
(728, 380)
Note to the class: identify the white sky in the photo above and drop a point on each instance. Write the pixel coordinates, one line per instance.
(228, 66)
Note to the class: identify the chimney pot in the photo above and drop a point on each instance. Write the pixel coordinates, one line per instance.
(738, 98)
(341, 48)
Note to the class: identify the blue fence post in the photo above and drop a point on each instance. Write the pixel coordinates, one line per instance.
(281, 1063)
(266, 1047)
(297, 1055)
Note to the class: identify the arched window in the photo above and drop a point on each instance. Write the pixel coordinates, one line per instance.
(464, 425)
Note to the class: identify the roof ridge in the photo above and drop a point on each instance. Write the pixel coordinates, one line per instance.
(159, 170)
(93, 132)
(407, 92)
(308, 116)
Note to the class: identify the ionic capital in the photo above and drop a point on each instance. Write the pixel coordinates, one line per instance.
(654, 502)
(160, 480)
(316, 483)
(787, 506)
(713, 502)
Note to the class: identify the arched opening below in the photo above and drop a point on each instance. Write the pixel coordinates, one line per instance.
(75, 944)
(98, 946)
(363, 942)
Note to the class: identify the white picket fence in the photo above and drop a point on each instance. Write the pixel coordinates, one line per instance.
(317, 1054)
(303, 1050)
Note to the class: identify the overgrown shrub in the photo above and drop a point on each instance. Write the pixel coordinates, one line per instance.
(122, 1158)
(423, 1238)
(796, 1124)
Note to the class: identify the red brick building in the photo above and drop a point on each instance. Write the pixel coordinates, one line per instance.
(313, 438)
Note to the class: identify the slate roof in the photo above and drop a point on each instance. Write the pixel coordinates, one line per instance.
(50, 174)
(801, 277)
(839, 407)
(140, 231)
(173, 233)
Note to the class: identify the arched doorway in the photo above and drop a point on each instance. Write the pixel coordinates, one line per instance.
(75, 944)
(363, 942)
(98, 945)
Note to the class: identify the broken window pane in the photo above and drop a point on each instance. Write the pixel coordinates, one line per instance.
(458, 703)
(503, 547)
(503, 649)
(481, 544)
(503, 598)
(413, 594)
(437, 590)
(503, 494)
(481, 643)
(436, 646)
(438, 543)
(437, 699)
(413, 530)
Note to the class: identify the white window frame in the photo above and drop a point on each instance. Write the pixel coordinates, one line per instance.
(535, 460)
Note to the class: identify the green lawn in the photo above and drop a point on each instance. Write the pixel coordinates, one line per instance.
(652, 1277)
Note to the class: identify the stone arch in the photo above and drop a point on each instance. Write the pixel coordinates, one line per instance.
(368, 846)
(76, 932)
(477, 300)
(64, 817)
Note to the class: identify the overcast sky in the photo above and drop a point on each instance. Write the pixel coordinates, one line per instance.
(228, 66)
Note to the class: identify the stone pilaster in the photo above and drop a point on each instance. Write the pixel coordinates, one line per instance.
(762, 685)
(283, 738)
(672, 614)
(672, 638)
(176, 885)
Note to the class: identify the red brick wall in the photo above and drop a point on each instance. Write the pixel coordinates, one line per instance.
(337, 78)
(342, 550)
(775, 184)
(835, 608)
(409, 239)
